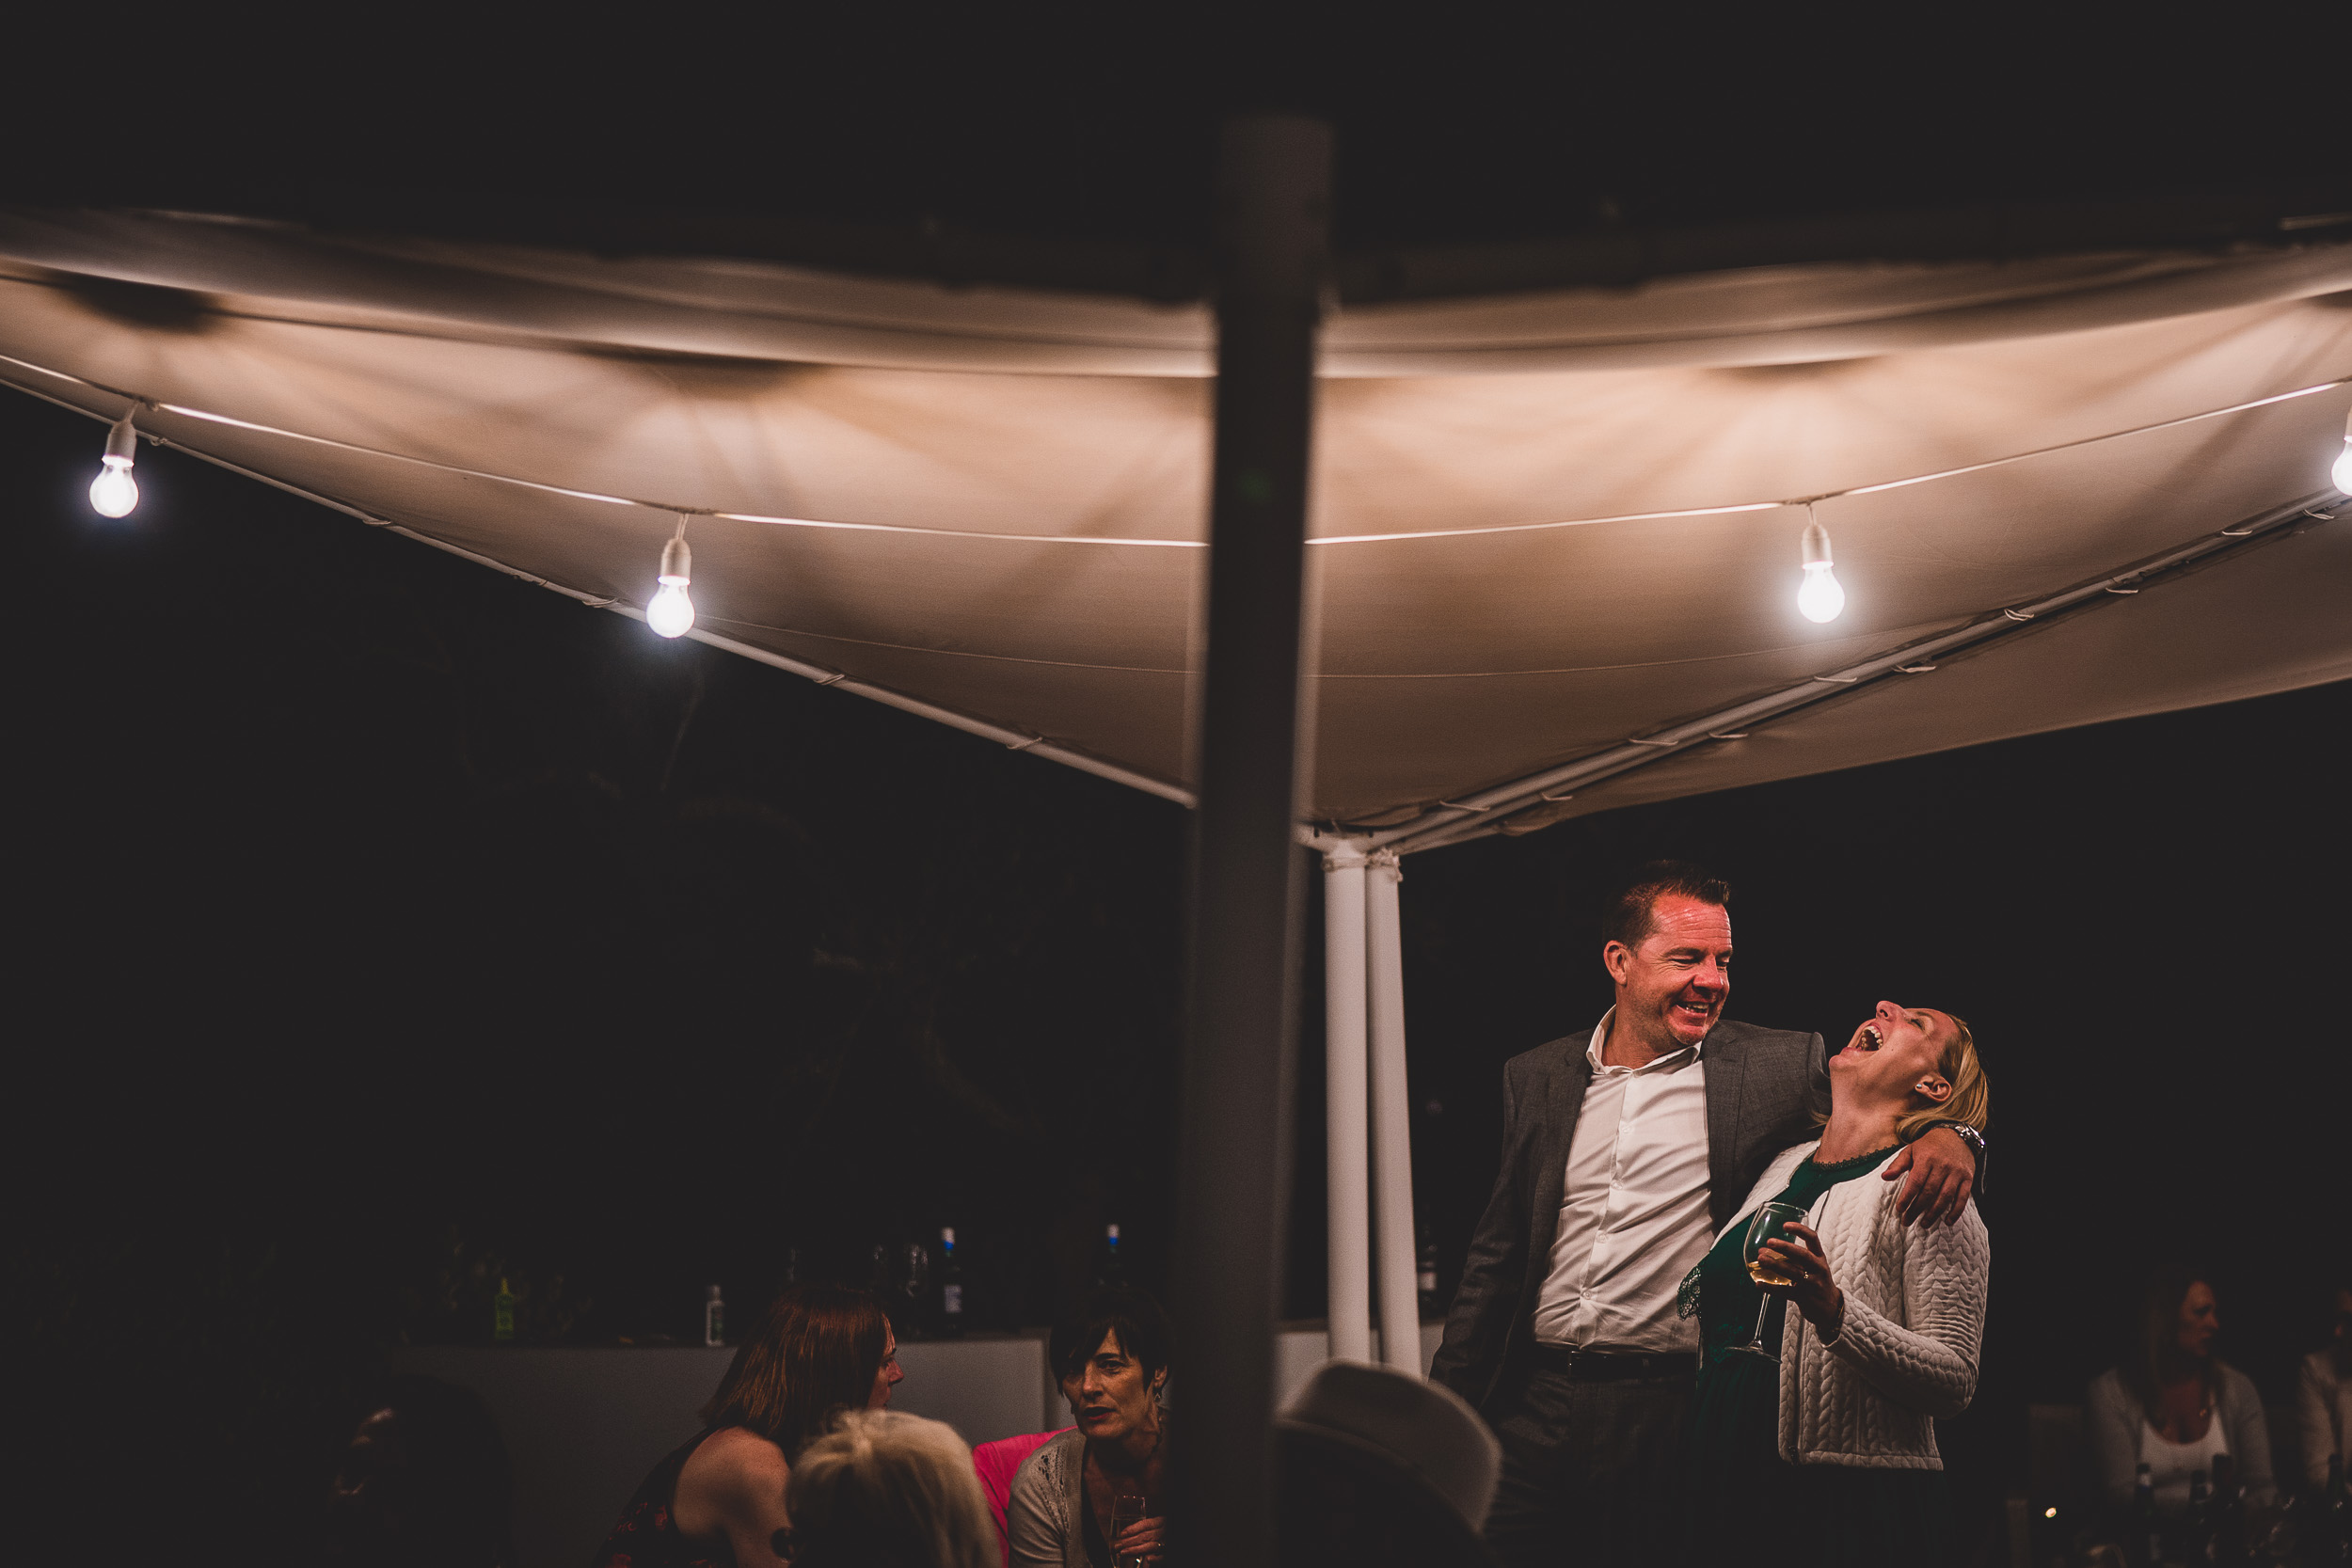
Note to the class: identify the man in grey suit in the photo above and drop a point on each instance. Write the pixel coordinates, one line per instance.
(1624, 1150)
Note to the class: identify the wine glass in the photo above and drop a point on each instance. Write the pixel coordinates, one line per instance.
(1127, 1509)
(1769, 1225)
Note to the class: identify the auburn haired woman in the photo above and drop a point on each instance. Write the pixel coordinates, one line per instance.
(718, 1501)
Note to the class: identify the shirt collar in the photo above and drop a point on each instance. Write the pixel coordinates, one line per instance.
(1668, 1063)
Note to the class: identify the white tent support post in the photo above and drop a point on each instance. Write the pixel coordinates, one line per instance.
(1232, 1157)
(1391, 1119)
(1348, 1107)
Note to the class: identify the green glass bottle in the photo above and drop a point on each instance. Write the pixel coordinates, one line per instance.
(502, 1315)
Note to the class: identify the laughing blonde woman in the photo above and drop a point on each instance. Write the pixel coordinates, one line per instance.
(1821, 1449)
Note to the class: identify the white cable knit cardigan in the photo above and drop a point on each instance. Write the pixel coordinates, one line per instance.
(1906, 1352)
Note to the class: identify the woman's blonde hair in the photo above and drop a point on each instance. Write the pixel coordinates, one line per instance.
(1971, 1099)
(882, 1490)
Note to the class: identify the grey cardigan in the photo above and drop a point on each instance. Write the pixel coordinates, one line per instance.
(1042, 1517)
(2116, 1423)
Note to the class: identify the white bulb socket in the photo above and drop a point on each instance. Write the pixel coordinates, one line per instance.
(122, 442)
(1820, 597)
(672, 613)
(1815, 548)
(113, 492)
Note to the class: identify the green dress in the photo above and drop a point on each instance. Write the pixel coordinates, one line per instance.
(1748, 1506)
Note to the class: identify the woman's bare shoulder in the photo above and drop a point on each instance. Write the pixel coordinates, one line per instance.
(728, 1469)
(739, 1452)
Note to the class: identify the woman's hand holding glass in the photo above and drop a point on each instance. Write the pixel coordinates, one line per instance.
(1807, 1270)
(1136, 1538)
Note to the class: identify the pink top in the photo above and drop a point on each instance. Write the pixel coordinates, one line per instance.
(998, 1463)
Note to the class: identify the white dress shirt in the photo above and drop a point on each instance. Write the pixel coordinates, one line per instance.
(1633, 1216)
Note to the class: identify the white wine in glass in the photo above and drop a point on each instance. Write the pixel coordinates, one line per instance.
(1127, 1510)
(1770, 1223)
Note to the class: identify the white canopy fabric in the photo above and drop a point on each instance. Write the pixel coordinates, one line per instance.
(1543, 524)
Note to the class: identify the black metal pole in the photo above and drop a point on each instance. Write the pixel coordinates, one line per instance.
(1240, 1025)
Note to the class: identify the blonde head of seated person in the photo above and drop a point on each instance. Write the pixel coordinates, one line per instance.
(881, 1489)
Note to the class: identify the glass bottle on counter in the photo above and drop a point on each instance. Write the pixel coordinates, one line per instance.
(2147, 1532)
(950, 1285)
(1108, 1268)
(2228, 1517)
(2197, 1531)
(2335, 1521)
(502, 1315)
(714, 1318)
(914, 1288)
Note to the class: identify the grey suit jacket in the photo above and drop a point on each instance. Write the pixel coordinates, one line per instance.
(1763, 1088)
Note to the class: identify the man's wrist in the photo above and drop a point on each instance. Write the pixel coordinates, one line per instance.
(1967, 1133)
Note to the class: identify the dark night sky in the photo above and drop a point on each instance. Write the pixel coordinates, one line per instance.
(1473, 122)
(367, 900)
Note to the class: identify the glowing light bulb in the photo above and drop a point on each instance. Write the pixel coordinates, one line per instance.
(672, 613)
(1820, 597)
(113, 492)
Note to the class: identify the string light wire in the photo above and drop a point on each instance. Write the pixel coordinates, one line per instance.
(460, 470)
(1421, 834)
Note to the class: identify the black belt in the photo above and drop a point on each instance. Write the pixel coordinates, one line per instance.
(1605, 1366)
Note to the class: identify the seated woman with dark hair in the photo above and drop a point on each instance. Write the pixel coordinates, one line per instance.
(718, 1501)
(2323, 1393)
(1073, 1497)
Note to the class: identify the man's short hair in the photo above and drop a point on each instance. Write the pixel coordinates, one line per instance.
(1631, 914)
